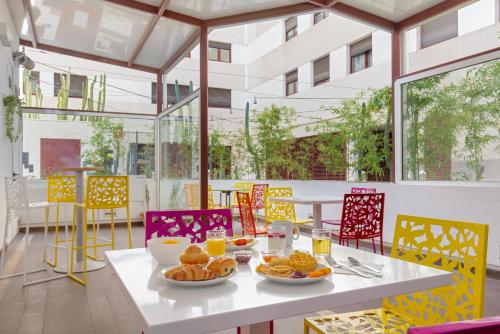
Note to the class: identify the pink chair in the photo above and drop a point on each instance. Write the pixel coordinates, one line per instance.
(258, 196)
(478, 326)
(187, 223)
(354, 190)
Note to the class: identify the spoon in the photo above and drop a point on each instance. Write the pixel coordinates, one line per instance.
(356, 263)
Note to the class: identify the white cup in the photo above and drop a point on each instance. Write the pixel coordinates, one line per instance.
(291, 231)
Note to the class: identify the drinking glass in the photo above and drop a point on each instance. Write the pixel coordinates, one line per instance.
(216, 242)
(321, 242)
(276, 238)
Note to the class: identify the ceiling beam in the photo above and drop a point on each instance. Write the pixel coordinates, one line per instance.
(31, 22)
(147, 8)
(88, 56)
(187, 46)
(265, 14)
(361, 15)
(147, 32)
(430, 12)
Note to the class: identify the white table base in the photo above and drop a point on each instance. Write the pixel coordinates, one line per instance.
(78, 267)
(317, 216)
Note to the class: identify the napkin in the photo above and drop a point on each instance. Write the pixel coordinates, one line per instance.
(338, 270)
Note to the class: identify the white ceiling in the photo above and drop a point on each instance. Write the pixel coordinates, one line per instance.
(106, 29)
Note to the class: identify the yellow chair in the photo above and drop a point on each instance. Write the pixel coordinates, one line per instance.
(102, 193)
(457, 247)
(60, 189)
(194, 193)
(274, 210)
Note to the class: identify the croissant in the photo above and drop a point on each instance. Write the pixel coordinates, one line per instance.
(222, 266)
(194, 254)
(193, 272)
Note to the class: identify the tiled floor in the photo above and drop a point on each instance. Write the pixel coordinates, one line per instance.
(64, 306)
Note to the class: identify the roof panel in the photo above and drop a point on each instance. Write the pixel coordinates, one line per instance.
(209, 9)
(394, 10)
(92, 26)
(166, 38)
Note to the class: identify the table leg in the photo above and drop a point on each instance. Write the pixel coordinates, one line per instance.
(317, 216)
(228, 199)
(260, 328)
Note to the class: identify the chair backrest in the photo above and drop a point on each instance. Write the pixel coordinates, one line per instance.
(187, 195)
(479, 326)
(195, 196)
(246, 214)
(454, 246)
(61, 188)
(16, 193)
(276, 210)
(357, 190)
(242, 185)
(210, 196)
(362, 216)
(192, 224)
(107, 192)
(258, 196)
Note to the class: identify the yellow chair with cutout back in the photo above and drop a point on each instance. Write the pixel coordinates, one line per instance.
(102, 193)
(61, 189)
(457, 247)
(276, 210)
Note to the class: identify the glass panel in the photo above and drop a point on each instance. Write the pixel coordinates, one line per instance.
(213, 54)
(179, 157)
(450, 125)
(225, 55)
(117, 145)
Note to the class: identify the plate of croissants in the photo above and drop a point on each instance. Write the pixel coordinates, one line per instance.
(196, 269)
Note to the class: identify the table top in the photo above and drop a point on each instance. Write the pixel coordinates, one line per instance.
(228, 190)
(79, 169)
(310, 199)
(248, 298)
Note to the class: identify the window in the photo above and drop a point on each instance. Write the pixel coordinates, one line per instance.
(219, 98)
(75, 84)
(439, 30)
(450, 125)
(361, 55)
(292, 79)
(218, 51)
(34, 79)
(153, 92)
(318, 17)
(290, 28)
(172, 97)
(322, 70)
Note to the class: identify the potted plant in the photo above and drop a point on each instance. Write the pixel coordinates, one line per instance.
(13, 115)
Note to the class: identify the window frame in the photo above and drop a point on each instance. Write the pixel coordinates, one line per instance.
(321, 15)
(398, 118)
(219, 51)
(293, 29)
(294, 82)
(323, 81)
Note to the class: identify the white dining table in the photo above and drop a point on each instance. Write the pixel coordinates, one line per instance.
(315, 201)
(248, 298)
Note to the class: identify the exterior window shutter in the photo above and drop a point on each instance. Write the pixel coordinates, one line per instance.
(290, 23)
(322, 69)
(439, 30)
(219, 98)
(361, 46)
(292, 76)
(219, 45)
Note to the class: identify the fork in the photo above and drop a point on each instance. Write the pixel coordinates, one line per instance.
(334, 263)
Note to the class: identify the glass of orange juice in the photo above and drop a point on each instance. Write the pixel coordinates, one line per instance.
(216, 242)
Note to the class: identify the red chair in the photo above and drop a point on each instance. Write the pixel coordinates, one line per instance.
(478, 326)
(246, 216)
(362, 218)
(258, 196)
(354, 190)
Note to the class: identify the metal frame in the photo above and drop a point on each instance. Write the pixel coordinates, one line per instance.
(398, 119)
(31, 110)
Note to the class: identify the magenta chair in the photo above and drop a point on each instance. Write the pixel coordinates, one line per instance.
(354, 190)
(192, 224)
(479, 326)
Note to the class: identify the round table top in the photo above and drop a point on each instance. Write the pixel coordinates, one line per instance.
(79, 169)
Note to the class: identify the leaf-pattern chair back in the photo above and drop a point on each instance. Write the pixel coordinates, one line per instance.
(257, 199)
(448, 245)
(192, 224)
(275, 210)
(362, 216)
(242, 185)
(61, 189)
(246, 214)
(16, 193)
(358, 190)
(106, 192)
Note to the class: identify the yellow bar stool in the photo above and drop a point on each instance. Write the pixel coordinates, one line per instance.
(102, 193)
(61, 190)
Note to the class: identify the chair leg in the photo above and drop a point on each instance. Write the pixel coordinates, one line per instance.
(357, 243)
(4, 243)
(381, 246)
(94, 235)
(45, 230)
(112, 229)
(26, 244)
(56, 239)
(72, 257)
(85, 218)
(373, 244)
(129, 227)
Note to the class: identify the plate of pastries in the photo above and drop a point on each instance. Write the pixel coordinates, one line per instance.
(197, 269)
(242, 243)
(298, 268)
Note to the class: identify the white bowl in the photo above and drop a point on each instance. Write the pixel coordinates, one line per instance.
(167, 254)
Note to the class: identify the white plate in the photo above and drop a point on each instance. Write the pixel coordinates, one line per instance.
(209, 282)
(286, 280)
(249, 245)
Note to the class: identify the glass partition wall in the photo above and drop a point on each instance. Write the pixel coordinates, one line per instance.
(178, 147)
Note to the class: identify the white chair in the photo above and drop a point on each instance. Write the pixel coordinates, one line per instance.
(16, 195)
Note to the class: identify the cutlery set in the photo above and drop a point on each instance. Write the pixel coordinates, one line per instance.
(371, 271)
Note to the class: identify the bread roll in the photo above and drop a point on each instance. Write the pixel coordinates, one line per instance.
(194, 254)
(222, 266)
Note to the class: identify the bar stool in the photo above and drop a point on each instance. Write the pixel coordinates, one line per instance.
(102, 193)
(16, 195)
